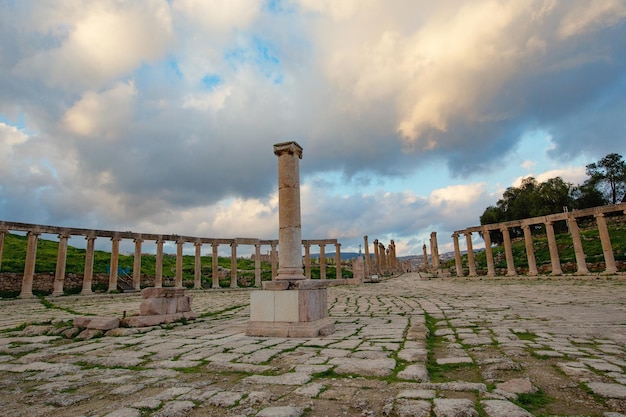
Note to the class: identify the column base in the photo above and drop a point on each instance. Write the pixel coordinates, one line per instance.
(317, 328)
(57, 293)
(86, 292)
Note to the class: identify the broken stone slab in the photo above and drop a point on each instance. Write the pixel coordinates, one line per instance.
(153, 292)
(165, 305)
(146, 321)
(97, 323)
(607, 390)
(517, 386)
(416, 372)
(503, 408)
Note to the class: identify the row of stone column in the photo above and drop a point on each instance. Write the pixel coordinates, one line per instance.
(581, 264)
(31, 252)
(385, 260)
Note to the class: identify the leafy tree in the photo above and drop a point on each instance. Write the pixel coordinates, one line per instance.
(609, 176)
(587, 196)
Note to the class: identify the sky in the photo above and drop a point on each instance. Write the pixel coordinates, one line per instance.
(414, 116)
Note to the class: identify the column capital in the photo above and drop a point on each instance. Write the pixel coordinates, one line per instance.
(338, 245)
(138, 240)
(466, 233)
(180, 240)
(91, 236)
(33, 233)
(597, 214)
(64, 235)
(115, 238)
(233, 244)
(197, 243)
(291, 148)
(454, 235)
(214, 244)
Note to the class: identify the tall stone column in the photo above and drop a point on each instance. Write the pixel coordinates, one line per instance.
(581, 262)
(368, 260)
(510, 264)
(470, 255)
(530, 251)
(158, 268)
(307, 260)
(388, 261)
(491, 270)
(233, 265)
(137, 264)
(554, 250)
(88, 275)
(289, 223)
(115, 258)
(434, 250)
(214, 266)
(338, 260)
(376, 257)
(607, 248)
(59, 276)
(29, 265)
(197, 267)
(457, 255)
(322, 261)
(2, 233)
(178, 282)
(425, 256)
(257, 265)
(273, 259)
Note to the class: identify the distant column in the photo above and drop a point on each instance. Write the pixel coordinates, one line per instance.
(607, 249)
(2, 233)
(470, 255)
(197, 267)
(554, 250)
(88, 275)
(581, 262)
(307, 260)
(376, 257)
(158, 268)
(273, 258)
(137, 264)
(425, 256)
(178, 283)
(510, 264)
(457, 255)
(233, 265)
(29, 265)
(530, 251)
(214, 266)
(115, 257)
(368, 260)
(322, 261)
(381, 258)
(388, 261)
(59, 276)
(491, 271)
(257, 265)
(338, 260)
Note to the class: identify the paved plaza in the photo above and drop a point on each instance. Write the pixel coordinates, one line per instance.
(407, 346)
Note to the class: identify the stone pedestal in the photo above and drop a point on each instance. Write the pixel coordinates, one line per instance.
(161, 305)
(290, 309)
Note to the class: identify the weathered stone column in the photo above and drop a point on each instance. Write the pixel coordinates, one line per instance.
(581, 262)
(554, 250)
(59, 276)
(368, 260)
(425, 256)
(214, 267)
(233, 265)
(197, 267)
(115, 257)
(382, 252)
(2, 233)
(29, 265)
(338, 260)
(607, 248)
(491, 271)
(289, 223)
(470, 255)
(307, 260)
(88, 275)
(530, 251)
(457, 255)
(273, 258)
(137, 264)
(322, 261)
(158, 268)
(434, 250)
(257, 265)
(178, 282)
(376, 257)
(510, 264)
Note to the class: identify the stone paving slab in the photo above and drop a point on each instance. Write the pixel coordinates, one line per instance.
(407, 346)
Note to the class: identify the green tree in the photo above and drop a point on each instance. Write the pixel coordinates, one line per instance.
(609, 176)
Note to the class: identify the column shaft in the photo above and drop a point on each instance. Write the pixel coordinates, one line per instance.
(425, 256)
(470, 255)
(88, 274)
(215, 283)
(322, 261)
(197, 267)
(59, 276)
(530, 251)
(457, 255)
(338, 260)
(510, 264)
(178, 283)
(158, 268)
(233, 265)
(273, 258)
(491, 270)
(2, 233)
(29, 265)
(376, 257)
(581, 262)
(115, 257)
(257, 265)
(307, 260)
(368, 260)
(607, 248)
(554, 250)
(137, 265)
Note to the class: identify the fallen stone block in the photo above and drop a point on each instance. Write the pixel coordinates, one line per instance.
(98, 323)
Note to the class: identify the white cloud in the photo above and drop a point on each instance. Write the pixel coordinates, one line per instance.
(590, 16)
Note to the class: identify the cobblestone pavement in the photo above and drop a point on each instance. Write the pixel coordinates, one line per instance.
(408, 346)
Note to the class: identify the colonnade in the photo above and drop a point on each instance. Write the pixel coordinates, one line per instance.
(385, 260)
(598, 213)
(34, 231)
